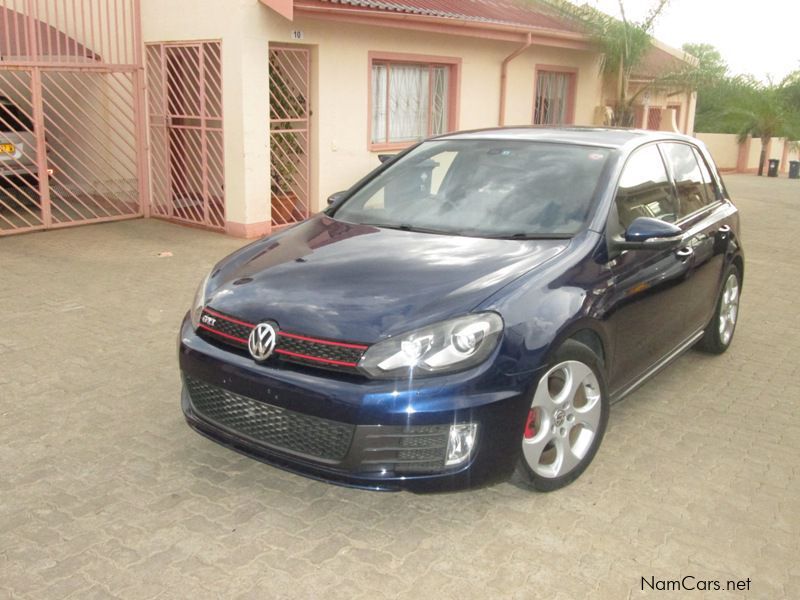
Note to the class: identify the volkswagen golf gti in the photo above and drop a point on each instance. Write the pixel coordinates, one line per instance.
(469, 309)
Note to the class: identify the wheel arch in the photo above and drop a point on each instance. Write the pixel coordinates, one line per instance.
(591, 339)
(589, 333)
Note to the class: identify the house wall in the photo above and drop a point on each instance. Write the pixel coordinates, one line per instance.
(240, 27)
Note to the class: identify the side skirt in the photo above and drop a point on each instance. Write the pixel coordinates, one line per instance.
(631, 387)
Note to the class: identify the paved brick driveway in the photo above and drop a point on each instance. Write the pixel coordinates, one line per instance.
(104, 492)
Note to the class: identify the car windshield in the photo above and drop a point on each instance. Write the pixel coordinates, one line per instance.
(483, 188)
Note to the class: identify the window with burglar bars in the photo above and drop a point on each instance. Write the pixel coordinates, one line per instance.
(409, 101)
(553, 103)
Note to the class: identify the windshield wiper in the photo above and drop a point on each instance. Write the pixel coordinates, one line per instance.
(532, 236)
(414, 228)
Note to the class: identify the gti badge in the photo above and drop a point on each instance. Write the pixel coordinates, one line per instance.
(262, 341)
(211, 321)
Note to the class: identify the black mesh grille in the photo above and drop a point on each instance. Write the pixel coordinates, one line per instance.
(271, 425)
(220, 328)
(410, 450)
(319, 350)
(225, 327)
(234, 329)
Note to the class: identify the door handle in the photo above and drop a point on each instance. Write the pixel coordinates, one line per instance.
(684, 253)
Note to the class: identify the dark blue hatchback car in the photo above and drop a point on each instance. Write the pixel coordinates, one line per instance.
(471, 307)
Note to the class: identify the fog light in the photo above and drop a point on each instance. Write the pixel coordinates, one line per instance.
(460, 443)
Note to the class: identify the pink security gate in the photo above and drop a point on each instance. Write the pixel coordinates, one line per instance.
(71, 105)
(186, 143)
(289, 134)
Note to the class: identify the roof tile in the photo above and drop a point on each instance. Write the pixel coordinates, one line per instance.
(519, 13)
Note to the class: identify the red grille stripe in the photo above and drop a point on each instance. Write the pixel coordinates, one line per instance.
(319, 341)
(225, 335)
(227, 318)
(317, 359)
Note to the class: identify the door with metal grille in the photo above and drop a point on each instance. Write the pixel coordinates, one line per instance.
(186, 135)
(71, 135)
(290, 118)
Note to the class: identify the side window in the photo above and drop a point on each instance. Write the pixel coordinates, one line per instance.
(688, 179)
(712, 194)
(644, 189)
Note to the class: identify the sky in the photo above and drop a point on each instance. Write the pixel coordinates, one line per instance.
(755, 37)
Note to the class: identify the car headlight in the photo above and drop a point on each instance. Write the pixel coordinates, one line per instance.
(451, 345)
(199, 303)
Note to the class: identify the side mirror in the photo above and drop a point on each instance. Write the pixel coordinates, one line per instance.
(646, 233)
(334, 198)
(386, 157)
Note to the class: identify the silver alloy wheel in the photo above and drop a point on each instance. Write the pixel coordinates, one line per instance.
(728, 309)
(563, 421)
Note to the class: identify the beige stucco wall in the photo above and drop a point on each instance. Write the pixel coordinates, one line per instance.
(754, 153)
(776, 148)
(723, 147)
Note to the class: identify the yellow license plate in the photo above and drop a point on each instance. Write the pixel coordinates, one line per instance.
(7, 148)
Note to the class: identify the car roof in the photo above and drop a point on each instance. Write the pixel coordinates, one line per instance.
(587, 136)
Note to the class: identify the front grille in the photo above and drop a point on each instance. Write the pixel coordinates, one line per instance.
(345, 355)
(407, 450)
(237, 331)
(269, 425)
(289, 346)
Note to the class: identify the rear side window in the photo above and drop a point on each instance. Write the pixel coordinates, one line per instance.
(644, 189)
(13, 119)
(712, 193)
(688, 178)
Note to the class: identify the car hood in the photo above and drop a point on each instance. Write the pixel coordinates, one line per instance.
(360, 283)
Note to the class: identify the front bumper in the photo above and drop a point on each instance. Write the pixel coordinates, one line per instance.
(384, 435)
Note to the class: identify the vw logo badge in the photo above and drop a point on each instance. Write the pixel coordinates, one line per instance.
(262, 340)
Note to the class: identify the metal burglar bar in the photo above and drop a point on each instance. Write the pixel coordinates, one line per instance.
(69, 32)
(20, 202)
(71, 129)
(654, 117)
(186, 136)
(92, 153)
(290, 164)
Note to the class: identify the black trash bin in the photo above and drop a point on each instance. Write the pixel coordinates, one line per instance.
(794, 169)
(772, 171)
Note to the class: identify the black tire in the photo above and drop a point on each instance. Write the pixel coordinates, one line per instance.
(713, 340)
(570, 352)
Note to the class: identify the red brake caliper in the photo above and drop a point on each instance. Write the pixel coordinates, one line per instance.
(530, 425)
